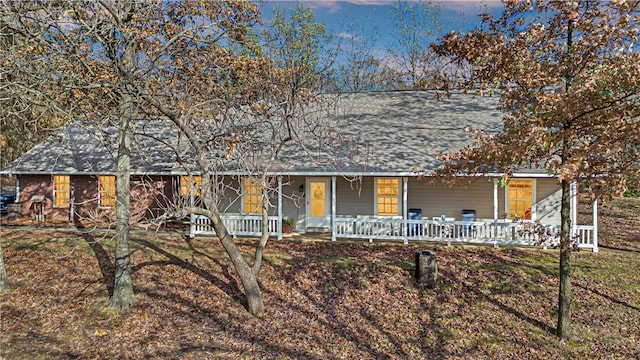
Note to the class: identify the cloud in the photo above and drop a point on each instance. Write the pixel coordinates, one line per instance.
(369, 2)
(331, 7)
(346, 35)
(466, 5)
(334, 6)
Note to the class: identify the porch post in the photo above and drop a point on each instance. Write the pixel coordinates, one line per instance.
(279, 225)
(333, 208)
(495, 209)
(192, 200)
(405, 209)
(595, 225)
(574, 207)
(17, 190)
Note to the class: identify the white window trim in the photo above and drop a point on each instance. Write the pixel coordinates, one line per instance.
(100, 206)
(534, 215)
(54, 192)
(375, 194)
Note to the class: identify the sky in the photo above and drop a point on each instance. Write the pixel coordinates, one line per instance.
(373, 15)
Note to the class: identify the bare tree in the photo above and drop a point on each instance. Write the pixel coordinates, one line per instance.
(26, 114)
(245, 128)
(109, 58)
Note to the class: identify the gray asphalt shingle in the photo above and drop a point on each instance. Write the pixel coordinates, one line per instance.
(373, 132)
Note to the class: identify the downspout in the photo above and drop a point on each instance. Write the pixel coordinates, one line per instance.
(72, 203)
(17, 189)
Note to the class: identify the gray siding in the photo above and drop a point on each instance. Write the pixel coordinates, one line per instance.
(437, 199)
(355, 197)
(293, 201)
(548, 196)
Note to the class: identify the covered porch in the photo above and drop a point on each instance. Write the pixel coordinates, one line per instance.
(404, 227)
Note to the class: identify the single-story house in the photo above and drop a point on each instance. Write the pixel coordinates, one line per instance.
(369, 189)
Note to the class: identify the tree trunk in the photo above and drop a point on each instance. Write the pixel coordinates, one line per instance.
(257, 264)
(564, 294)
(4, 280)
(123, 296)
(255, 306)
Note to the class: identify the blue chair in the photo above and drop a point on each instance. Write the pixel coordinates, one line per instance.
(468, 230)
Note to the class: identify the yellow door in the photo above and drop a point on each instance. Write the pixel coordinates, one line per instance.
(318, 203)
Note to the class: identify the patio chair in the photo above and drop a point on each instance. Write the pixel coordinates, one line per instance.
(468, 230)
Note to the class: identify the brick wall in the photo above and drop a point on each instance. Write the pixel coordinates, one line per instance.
(149, 195)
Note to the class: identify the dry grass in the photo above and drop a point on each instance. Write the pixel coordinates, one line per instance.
(324, 300)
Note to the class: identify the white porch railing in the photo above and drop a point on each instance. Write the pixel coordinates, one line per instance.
(495, 233)
(237, 225)
(393, 228)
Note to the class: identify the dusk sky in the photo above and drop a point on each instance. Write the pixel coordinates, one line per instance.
(373, 16)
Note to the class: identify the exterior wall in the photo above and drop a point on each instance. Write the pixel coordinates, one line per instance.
(548, 201)
(152, 194)
(146, 198)
(356, 197)
(231, 199)
(436, 199)
(35, 185)
(294, 201)
(86, 200)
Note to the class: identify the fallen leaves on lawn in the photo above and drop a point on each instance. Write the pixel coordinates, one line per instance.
(323, 300)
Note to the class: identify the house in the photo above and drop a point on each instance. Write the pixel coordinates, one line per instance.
(361, 185)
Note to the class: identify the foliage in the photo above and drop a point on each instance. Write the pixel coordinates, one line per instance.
(633, 190)
(567, 77)
(27, 116)
(289, 222)
(299, 45)
(414, 64)
(357, 67)
(574, 110)
(176, 60)
(632, 193)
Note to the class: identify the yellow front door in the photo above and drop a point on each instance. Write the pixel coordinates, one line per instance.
(318, 203)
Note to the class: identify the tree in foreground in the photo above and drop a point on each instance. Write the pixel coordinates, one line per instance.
(568, 78)
(4, 280)
(182, 61)
(257, 111)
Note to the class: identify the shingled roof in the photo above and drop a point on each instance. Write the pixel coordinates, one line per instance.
(375, 132)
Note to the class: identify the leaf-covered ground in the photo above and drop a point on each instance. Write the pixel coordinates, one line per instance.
(324, 300)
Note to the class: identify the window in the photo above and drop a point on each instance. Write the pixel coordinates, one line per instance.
(186, 185)
(520, 199)
(252, 196)
(107, 190)
(387, 196)
(61, 191)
